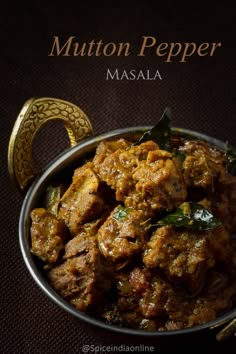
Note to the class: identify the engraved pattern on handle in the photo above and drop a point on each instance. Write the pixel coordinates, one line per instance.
(34, 114)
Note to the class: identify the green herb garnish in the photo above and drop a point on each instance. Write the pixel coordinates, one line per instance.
(160, 133)
(191, 216)
(121, 213)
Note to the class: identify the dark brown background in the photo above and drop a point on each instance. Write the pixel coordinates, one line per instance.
(200, 92)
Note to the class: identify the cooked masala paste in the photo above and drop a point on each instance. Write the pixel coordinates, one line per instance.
(143, 236)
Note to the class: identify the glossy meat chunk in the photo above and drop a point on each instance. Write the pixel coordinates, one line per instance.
(143, 295)
(82, 278)
(122, 236)
(154, 292)
(117, 168)
(203, 165)
(197, 173)
(106, 148)
(47, 235)
(158, 184)
(185, 256)
(83, 201)
(202, 148)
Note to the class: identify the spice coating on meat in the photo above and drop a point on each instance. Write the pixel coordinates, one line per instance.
(106, 148)
(73, 247)
(82, 201)
(122, 237)
(142, 298)
(117, 168)
(185, 256)
(119, 262)
(82, 278)
(196, 172)
(144, 177)
(158, 184)
(47, 235)
(187, 312)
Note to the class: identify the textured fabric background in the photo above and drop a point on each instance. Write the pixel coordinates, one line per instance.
(201, 93)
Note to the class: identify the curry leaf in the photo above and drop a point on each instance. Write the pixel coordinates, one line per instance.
(53, 197)
(191, 216)
(160, 133)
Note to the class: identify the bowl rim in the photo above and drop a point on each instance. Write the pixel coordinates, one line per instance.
(38, 186)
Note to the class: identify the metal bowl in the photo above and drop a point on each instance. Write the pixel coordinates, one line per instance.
(63, 165)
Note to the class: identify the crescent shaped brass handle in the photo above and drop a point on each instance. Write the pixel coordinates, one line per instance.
(33, 115)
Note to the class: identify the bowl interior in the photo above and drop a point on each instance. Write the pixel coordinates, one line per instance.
(61, 169)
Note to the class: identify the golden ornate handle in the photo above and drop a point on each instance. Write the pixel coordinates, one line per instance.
(35, 113)
(227, 331)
